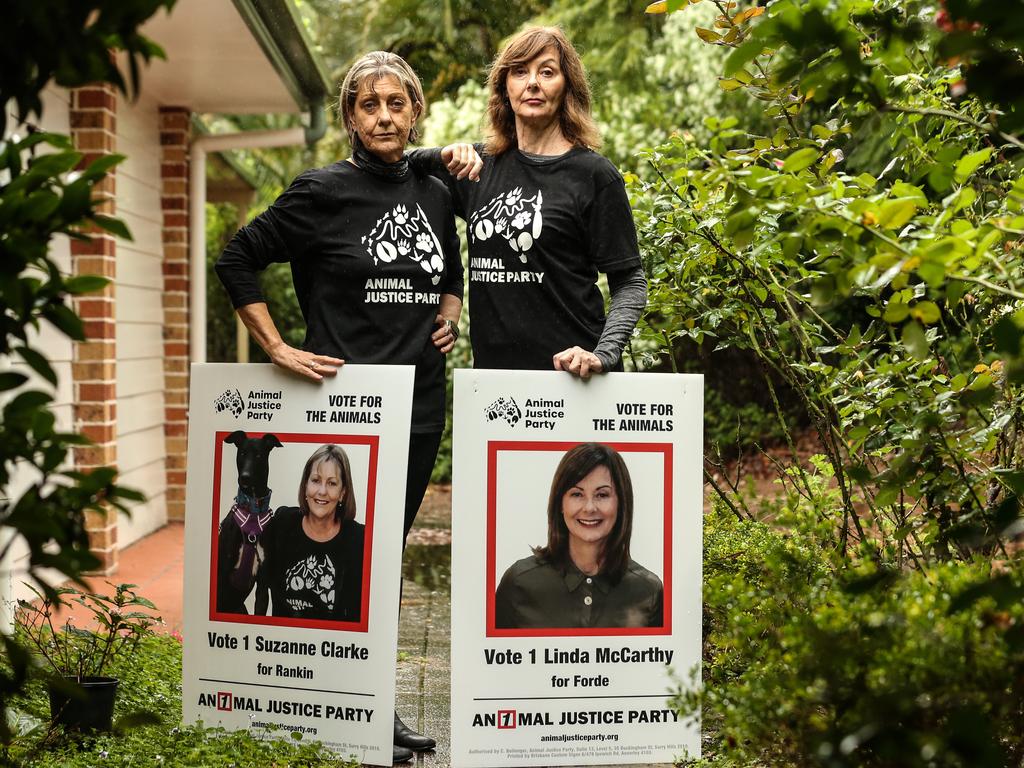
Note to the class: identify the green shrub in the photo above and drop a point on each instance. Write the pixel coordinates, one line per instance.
(883, 293)
(811, 659)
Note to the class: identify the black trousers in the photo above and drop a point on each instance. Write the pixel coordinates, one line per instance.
(422, 454)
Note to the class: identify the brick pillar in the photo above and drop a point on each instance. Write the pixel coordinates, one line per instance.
(174, 142)
(94, 370)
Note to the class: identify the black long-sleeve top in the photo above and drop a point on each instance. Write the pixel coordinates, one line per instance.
(370, 258)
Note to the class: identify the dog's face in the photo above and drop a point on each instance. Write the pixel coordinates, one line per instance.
(253, 459)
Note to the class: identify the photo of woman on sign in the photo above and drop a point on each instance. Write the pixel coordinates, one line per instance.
(584, 576)
(314, 552)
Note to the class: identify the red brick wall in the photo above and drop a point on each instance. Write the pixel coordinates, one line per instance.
(94, 368)
(174, 141)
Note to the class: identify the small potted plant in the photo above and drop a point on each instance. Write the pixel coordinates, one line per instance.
(81, 691)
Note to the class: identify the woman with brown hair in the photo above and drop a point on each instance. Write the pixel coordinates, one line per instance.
(547, 214)
(583, 576)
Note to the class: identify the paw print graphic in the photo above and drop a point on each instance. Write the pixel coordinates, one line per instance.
(500, 225)
(403, 247)
(521, 220)
(512, 198)
(230, 400)
(401, 214)
(423, 241)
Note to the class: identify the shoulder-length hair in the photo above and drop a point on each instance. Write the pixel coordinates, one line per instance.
(575, 120)
(346, 509)
(375, 65)
(574, 466)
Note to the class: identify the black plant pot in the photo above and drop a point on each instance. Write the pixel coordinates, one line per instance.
(86, 703)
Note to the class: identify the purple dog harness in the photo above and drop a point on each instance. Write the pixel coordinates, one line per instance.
(252, 514)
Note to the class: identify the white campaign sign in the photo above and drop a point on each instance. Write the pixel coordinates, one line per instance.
(250, 663)
(567, 672)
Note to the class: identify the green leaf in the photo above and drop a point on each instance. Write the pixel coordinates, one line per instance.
(65, 320)
(926, 311)
(114, 226)
(742, 219)
(85, 284)
(76, 199)
(1014, 479)
(902, 189)
(967, 164)
(741, 56)
(11, 380)
(38, 363)
(895, 213)
(40, 205)
(799, 160)
(99, 167)
(981, 382)
(895, 312)
(1007, 334)
(26, 401)
(914, 340)
(940, 177)
(707, 35)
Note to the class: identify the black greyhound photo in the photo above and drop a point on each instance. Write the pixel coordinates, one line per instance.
(239, 549)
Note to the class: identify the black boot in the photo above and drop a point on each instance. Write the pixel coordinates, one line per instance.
(408, 738)
(400, 755)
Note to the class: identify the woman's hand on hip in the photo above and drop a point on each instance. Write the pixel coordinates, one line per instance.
(306, 364)
(578, 362)
(446, 334)
(462, 161)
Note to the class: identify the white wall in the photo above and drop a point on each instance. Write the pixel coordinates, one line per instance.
(139, 313)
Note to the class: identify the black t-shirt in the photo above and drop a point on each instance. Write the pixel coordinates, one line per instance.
(311, 579)
(540, 230)
(370, 258)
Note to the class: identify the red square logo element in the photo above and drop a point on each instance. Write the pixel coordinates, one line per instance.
(506, 718)
(224, 701)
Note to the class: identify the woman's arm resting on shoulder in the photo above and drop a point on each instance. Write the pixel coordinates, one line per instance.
(448, 323)
(462, 161)
(257, 319)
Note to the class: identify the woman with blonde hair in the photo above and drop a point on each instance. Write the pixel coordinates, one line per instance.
(545, 214)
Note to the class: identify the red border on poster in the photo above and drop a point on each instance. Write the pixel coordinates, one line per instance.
(494, 447)
(373, 442)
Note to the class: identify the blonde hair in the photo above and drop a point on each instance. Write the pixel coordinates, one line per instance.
(375, 65)
(575, 120)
